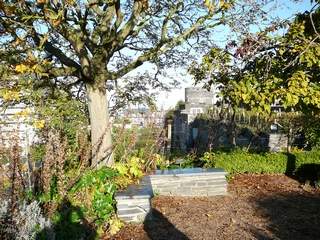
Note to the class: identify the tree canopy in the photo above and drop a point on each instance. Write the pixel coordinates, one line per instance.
(74, 45)
(265, 67)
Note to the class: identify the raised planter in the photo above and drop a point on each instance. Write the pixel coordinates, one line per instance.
(133, 204)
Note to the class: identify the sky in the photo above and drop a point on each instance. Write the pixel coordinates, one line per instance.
(286, 9)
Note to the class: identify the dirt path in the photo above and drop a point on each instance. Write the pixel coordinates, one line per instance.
(259, 207)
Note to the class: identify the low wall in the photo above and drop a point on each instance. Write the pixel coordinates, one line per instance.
(189, 182)
(134, 204)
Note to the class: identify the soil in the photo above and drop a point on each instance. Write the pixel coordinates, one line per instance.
(257, 207)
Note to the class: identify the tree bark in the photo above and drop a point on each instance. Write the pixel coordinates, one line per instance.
(101, 140)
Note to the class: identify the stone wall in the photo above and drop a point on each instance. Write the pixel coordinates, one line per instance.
(199, 95)
(134, 204)
(277, 142)
(180, 132)
(184, 182)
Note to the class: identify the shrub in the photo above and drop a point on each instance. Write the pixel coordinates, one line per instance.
(26, 222)
(312, 130)
(142, 144)
(239, 161)
(94, 193)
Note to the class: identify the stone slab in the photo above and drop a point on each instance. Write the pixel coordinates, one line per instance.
(135, 191)
(188, 172)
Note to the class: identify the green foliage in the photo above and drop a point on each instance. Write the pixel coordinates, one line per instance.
(137, 146)
(239, 161)
(97, 189)
(169, 114)
(37, 152)
(190, 160)
(131, 169)
(180, 105)
(161, 161)
(70, 223)
(209, 159)
(265, 68)
(312, 130)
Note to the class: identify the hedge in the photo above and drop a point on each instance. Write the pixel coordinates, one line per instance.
(239, 161)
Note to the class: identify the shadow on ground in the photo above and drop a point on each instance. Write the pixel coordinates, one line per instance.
(291, 216)
(308, 173)
(70, 224)
(158, 227)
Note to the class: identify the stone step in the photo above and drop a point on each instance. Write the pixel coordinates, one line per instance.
(135, 191)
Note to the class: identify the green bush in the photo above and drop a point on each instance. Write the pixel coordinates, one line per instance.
(239, 161)
(312, 130)
(94, 193)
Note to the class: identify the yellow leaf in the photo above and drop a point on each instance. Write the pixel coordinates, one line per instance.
(225, 5)
(115, 226)
(43, 40)
(17, 42)
(56, 22)
(11, 95)
(39, 124)
(21, 68)
(24, 113)
(209, 4)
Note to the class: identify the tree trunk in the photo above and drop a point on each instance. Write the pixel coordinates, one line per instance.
(101, 140)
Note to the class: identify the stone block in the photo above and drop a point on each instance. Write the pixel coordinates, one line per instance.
(188, 184)
(130, 212)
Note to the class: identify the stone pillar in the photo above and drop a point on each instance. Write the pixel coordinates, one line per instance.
(169, 135)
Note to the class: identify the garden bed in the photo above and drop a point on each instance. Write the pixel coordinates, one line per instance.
(259, 207)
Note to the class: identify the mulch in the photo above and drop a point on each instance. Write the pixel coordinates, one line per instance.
(257, 207)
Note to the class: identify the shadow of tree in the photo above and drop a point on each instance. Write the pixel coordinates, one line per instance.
(308, 173)
(291, 216)
(291, 164)
(70, 224)
(158, 227)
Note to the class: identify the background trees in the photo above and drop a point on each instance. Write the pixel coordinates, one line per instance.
(265, 67)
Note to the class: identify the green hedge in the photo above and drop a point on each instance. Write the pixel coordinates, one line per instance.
(239, 161)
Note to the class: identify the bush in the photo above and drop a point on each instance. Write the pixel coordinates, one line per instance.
(239, 161)
(26, 222)
(144, 144)
(94, 193)
(312, 130)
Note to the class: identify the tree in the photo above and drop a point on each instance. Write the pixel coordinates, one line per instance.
(265, 68)
(74, 44)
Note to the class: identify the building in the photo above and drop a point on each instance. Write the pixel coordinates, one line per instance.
(189, 132)
(197, 101)
(16, 128)
(140, 117)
